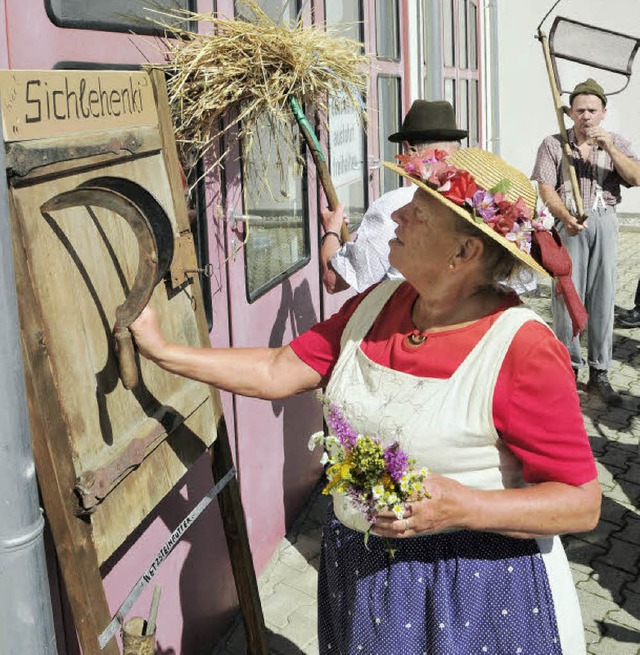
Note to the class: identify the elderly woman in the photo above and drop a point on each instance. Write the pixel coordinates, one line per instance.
(471, 385)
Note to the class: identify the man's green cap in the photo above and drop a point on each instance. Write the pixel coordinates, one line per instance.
(589, 87)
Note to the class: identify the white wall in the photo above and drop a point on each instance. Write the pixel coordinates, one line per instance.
(526, 110)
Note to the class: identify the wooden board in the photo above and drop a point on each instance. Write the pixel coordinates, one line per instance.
(82, 262)
(44, 104)
(74, 267)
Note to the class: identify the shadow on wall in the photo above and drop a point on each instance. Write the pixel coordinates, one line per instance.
(301, 468)
(206, 589)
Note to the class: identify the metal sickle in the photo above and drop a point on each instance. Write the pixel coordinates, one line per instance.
(154, 235)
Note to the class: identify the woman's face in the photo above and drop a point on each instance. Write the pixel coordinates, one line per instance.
(425, 242)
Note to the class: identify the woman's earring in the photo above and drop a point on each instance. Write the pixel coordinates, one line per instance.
(451, 266)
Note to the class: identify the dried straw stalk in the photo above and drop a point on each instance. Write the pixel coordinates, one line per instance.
(238, 74)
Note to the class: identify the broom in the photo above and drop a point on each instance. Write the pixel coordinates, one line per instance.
(240, 71)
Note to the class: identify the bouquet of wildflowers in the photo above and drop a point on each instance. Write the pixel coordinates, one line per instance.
(374, 476)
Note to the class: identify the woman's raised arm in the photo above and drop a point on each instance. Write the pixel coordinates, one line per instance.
(267, 373)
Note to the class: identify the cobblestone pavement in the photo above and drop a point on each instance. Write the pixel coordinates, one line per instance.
(605, 562)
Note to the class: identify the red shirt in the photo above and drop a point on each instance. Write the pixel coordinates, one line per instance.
(536, 409)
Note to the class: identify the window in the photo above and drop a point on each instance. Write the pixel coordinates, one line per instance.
(389, 119)
(347, 141)
(460, 57)
(276, 204)
(112, 15)
(448, 28)
(387, 30)
(275, 198)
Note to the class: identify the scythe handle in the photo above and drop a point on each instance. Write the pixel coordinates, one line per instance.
(126, 357)
(557, 103)
(320, 161)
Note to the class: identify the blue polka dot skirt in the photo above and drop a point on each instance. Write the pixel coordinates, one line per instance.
(459, 593)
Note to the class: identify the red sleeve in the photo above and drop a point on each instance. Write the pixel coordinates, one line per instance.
(319, 347)
(537, 410)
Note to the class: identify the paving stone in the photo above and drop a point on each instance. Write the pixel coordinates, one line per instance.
(615, 512)
(302, 624)
(280, 606)
(630, 531)
(580, 572)
(621, 555)
(627, 620)
(312, 648)
(608, 646)
(619, 494)
(606, 477)
(618, 456)
(607, 582)
(631, 606)
(601, 534)
(631, 474)
(591, 636)
(294, 558)
(308, 545)
(306, 581)
(594, 609)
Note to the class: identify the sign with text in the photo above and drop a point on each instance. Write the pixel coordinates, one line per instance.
(43, 104)
(346, 145)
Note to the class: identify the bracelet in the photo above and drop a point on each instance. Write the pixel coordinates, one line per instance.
(328, 234)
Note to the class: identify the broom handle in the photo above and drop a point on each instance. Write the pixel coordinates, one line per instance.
(320, 161)
(566, 149)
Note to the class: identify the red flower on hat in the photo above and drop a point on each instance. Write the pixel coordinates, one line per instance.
(417, 163)
(459, 188)
(440, 173)
(513, 211)
(501, 223)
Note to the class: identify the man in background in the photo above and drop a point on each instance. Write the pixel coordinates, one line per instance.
(603, 162)
(365, 261)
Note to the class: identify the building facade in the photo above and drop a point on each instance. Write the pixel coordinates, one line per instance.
(264, 286)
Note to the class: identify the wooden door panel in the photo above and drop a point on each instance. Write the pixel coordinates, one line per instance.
(82, 262)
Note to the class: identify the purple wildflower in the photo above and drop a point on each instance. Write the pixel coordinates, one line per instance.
(396, 461)
(520, 234)
(482, 202)
(346, 435)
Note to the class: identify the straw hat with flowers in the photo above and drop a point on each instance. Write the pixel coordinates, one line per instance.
(500, 201)
(484, 190)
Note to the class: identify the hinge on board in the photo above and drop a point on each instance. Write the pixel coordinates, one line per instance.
(184, 264)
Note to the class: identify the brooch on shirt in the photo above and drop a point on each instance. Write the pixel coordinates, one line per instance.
(415, 339)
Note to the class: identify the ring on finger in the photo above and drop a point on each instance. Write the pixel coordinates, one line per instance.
(406, 525)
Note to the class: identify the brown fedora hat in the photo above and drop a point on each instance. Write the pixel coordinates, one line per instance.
(429, 121)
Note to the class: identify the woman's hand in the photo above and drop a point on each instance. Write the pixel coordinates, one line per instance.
(332, 220)
(539, 510)
(148, 335)
(445, 507)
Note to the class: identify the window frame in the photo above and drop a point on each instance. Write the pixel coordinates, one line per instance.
(113, 26)
(464, 76)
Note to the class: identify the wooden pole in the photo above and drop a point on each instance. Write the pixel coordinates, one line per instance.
(320, 161)
(235, 531)
(560, 110)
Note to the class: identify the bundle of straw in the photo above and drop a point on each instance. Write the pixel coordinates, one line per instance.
(243, 72)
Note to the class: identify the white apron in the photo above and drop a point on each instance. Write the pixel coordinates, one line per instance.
(447, 426)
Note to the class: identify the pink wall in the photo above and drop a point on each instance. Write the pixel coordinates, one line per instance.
(198, 592)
